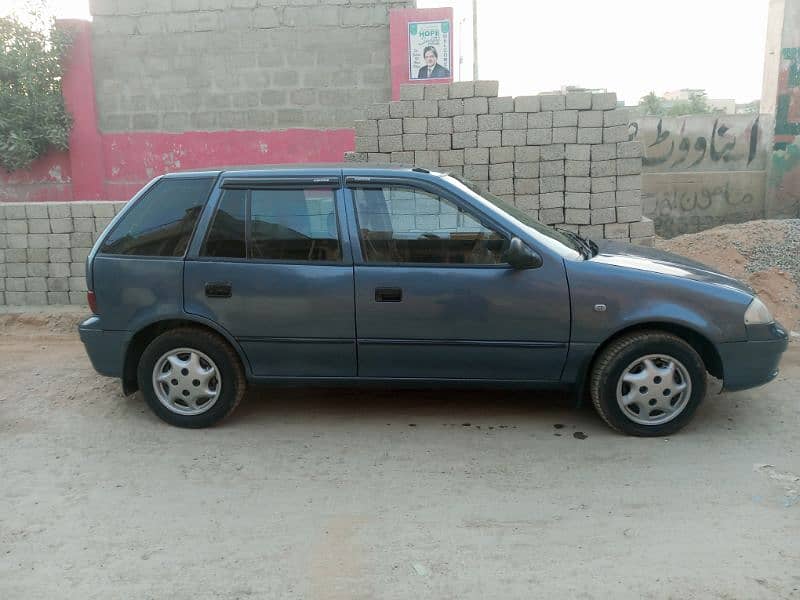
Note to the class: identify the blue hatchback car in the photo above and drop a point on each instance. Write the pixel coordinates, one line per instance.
(208, 281)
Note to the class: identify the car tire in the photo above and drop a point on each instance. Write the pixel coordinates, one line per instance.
(648, 383)
(191, 377)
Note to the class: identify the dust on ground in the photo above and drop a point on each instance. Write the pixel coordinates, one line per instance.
(765, 254)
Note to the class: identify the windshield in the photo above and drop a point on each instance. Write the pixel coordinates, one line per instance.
(521, 216)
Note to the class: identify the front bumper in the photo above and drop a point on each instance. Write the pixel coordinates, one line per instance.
(106, 349)
(754, 362)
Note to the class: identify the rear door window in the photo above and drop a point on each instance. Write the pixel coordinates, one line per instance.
(161, 222)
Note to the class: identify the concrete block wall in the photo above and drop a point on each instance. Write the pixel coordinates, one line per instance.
(43, 249)
(203, 65)
(563, 158)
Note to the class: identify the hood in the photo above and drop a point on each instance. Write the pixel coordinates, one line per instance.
(641, 258)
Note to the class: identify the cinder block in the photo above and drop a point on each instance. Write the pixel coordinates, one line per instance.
(501, 154)
(103, 209)
(77, 284)
(501, 105)
(15, 210)
(604, 184)
(15, 284)
(77, 298)
(390, 127)
(16, 226)
(577, 199)
(390, 143)
(57, 298)
(18, 240)
(476, 156)
(34, 210)
(490, 122)
(526, 170)
(601, 216)
(37, 269)
(604, 101)
(603, 168)
(78, 254)
(428, 159)
(17, 269)
(604, 152)
(565, 118)
(37, 255)
(514, 137)
(565, 135)
(578, 216)
(377, 111)
(449, 158)
(488, 139)
(642, 228)
(567, 226)
(602, 200)
(539, 137)
(515, 121)
(476, 172)
(551, 199)
(438, 125)
(629, 166)
(451, 108)
(355, 157)
(612, 135)
(427, 108)
(61, 225)
(412, 91)
(402, 158)
(551, 184)
(527, 202)
(579, 100)
(553, 101)
(633, 149)
(629, 182)
(527, 104)
(465, 123)
(36, 284)
(415, 141)
(367, 144)
(527, 186)
(440, 141)
(590, 135)
(541, 120)
(576, 168)
(59, 255)
(58, 269)
(629, 214)
(477, 105)
(436, 91)
(616, 231)
(553, 152)
(35, 298)
(527, 154)
(415, 125)
(84, 224)
(465, 139)
(366, 127)
(551, 216)
(462, 89)
(38, 240)
(618, 116)
(58, 210)
(487, 88)
(501, 170)
(401, 108)
(578, 184)
(501, 187)
(590, 118)
(593, 232)
(549, 168)
(82, 210)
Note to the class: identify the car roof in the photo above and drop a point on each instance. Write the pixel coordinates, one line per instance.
(333, 169)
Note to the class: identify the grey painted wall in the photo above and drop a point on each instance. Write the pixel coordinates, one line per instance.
(178, 65)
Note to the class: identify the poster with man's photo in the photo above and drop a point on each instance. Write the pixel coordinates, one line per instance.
(429, 50)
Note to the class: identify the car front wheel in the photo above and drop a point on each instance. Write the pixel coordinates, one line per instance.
(191, 377)
(648, 383)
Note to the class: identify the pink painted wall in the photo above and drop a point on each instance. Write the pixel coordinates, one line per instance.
(113, 166)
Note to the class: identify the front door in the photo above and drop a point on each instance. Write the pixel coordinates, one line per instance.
(435, 299)
(275, 271)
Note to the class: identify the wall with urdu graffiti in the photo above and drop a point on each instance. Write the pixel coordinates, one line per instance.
(701, 171)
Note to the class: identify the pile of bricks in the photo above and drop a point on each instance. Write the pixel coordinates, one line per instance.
(563, 158)
(43, 249)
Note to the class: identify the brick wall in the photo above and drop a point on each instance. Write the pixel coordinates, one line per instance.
(43, 249)
(565, 159)
(178, 65)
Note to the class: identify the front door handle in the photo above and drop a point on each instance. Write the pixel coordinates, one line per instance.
(218, 289)
(388, 294)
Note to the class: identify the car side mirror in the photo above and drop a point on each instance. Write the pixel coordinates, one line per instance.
(521, 256)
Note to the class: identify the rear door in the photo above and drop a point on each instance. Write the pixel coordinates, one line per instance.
(275, 270)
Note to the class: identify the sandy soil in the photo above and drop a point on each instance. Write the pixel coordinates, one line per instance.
(346, 494)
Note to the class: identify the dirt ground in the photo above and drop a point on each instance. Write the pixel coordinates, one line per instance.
(343, 494)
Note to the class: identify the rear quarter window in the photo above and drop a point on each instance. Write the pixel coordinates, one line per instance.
(161, 222)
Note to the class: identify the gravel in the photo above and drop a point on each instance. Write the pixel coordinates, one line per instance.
(783, 254)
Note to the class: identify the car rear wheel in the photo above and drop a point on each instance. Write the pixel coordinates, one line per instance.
(191, 378)
(648, 383)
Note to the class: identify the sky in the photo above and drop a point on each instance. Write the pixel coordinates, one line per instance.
(626, 46)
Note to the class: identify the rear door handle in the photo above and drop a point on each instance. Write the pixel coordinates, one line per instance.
(388, 294)
(218, 289)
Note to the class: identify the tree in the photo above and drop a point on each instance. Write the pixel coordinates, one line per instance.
(697, 104)
(652, 104)
(33, 118)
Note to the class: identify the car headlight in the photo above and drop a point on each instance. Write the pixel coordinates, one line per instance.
(757, 313)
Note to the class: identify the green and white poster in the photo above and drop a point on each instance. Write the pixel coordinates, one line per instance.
(429, 50)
